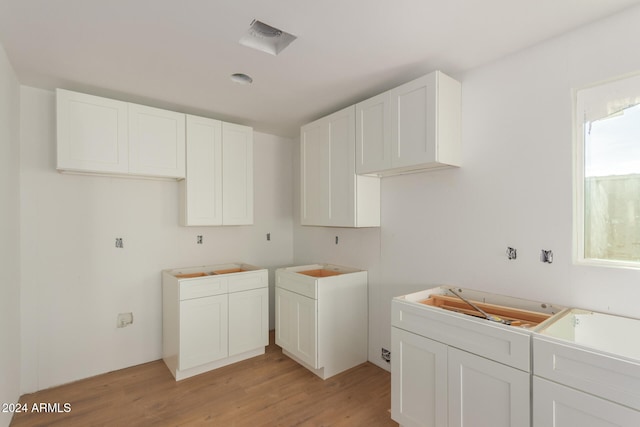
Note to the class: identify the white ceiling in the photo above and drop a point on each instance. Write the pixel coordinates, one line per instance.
(180, 54)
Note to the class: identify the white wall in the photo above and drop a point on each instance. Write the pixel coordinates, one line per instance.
(75, 281)
(514, 189)
(9, 237)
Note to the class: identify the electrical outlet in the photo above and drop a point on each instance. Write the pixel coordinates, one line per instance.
(386, 355)
(119, 243)
(199, 239)
(124, 319)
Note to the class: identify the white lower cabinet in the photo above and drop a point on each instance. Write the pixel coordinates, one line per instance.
(586, 372)
(419, 380)
(449, 369)
(296, 329)
(213, 316)
(567, 368)
(435, 385)
(486, 393)
(203, 330)
(248, 320)
(321, 317)
(556, 405)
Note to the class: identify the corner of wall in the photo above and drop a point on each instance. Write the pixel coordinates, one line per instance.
(10, 364)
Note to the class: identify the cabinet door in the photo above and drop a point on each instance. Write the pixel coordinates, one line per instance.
(418, 380)
(315, 170)
(373, 134)
(328, 180)
(248, 320)
(296, 326)
(555, 405)
(203, 331)
(285, 314)
(91, 133)
(202, 187)
(342, 150)
(237, 174)
(486, 393)
(413, 126)
(156, 142)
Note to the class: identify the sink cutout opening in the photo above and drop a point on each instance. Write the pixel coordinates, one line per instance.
(190, 275)
(229, 271)
(518, 317)
(321, 272)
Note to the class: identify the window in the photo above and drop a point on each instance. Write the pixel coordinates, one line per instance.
(608, 173)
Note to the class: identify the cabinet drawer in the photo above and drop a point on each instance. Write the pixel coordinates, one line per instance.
(247, 281)
(202, 287)
(297, 283)
(503, 344)
(557, 405)
(597, 373)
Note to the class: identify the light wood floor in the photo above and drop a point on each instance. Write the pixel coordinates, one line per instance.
(268, 390)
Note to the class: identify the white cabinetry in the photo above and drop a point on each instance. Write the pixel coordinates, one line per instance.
(237, 174)
(331, 192)
(556, 405)
(419, 381)
(248, 320)
(201, 190)
(213, 316)
(92, 133)
(452, 369)
(100, 135)
(321, 317)
(486, 393)
(587, 371)
(203, 330)
(413, 127)
(296, 326)
(218, 188)
(373, 134)
(156, 142)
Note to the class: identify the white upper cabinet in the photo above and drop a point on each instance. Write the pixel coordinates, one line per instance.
(202, 188)
(413, 127)
(156, 142)
(218, 189)
(373, 134)
(237, 174)
(92, 133)
(331, 192)
(315, 174)
(101, 135)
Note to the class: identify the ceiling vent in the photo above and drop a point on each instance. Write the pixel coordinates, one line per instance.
(266, 38)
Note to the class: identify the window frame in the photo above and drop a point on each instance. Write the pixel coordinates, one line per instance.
(579, 182)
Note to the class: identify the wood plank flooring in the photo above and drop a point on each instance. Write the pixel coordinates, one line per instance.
(268, 390)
